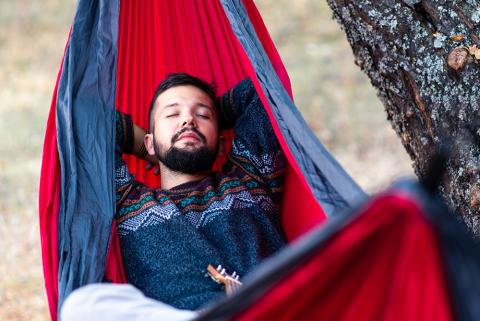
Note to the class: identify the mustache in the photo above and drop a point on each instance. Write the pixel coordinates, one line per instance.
(189, 129)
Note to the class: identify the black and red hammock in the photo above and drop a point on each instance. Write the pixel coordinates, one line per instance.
(117, 53)
(399, 256)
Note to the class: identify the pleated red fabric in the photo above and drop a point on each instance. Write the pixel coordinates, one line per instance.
(161, 37)
(385, 265)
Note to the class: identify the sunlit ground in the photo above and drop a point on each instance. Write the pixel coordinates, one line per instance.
(332, 93)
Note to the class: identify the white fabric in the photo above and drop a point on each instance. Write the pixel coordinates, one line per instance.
(118, 302)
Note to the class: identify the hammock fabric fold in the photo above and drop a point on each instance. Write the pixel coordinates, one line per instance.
(401, 256)
(117, 53)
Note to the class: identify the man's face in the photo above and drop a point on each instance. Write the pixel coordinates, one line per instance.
(185, 129)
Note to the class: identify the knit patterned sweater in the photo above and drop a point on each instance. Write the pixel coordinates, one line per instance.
(169, 237)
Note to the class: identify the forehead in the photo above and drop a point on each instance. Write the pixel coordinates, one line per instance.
(183, 95)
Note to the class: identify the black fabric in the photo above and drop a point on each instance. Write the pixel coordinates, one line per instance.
(127, 125)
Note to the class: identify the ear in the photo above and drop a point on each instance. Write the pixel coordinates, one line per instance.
(148, 141)
(221, 146)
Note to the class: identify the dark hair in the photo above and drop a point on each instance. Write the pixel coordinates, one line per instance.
(180, 79)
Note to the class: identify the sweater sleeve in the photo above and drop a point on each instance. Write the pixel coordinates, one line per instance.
(255, 147)
(123, 144)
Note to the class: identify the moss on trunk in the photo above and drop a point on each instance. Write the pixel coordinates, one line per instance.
(422, 58)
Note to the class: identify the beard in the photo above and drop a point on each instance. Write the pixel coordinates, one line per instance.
(185, 160)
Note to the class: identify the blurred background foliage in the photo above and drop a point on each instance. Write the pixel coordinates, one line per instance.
(334, 96)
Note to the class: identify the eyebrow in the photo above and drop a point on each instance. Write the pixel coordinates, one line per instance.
(170, 105)
(199, 104)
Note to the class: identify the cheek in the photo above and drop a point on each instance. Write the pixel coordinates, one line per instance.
(164, 132)
(212, 136)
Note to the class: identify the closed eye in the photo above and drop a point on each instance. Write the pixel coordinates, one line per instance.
(171, 115)
(203, 116)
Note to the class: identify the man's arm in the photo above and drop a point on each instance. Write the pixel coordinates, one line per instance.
(128, 140)
(130, 137)
(255, 147)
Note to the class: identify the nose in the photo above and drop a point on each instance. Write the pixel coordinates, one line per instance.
(188, 120)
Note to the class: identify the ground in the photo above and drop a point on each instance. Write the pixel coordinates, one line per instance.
(334, 96)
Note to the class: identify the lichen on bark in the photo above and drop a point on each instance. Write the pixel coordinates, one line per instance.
(430, 96)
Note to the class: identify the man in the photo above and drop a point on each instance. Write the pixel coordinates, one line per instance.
(198, 217)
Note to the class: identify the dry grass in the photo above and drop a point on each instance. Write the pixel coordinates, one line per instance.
(334, 96)
(32, 37)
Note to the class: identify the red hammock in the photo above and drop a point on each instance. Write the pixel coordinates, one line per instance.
(384, 261)
(386, 265)
(193, 37)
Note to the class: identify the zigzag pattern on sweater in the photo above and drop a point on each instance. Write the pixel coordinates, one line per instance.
(153, 215)
(200, 209)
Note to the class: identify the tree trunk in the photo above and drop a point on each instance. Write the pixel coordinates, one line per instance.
(422, 57)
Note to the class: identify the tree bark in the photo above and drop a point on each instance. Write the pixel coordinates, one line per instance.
(421, 55)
